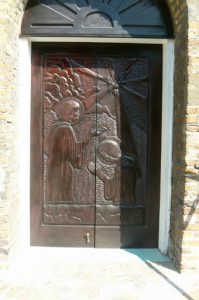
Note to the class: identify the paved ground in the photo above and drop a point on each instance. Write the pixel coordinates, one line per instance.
(93, 274)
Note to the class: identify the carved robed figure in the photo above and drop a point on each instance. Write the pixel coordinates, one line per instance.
(64, 150)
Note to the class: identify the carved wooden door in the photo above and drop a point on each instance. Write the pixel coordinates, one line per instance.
(96, 128)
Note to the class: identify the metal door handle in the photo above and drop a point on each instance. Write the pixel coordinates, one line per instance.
(88, 238)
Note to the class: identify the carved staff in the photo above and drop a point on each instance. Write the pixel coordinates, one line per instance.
(109, 80)
(87, 71)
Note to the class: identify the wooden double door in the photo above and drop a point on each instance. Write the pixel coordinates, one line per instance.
(95, 147)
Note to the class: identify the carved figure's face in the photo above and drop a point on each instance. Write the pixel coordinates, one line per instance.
(69, 111)
(109, 151)
(74, 112)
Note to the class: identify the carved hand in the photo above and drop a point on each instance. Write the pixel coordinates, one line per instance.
(100, 131)
(97, 170)
(91, 167)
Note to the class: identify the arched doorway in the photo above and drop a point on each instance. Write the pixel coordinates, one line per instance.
(112, 195)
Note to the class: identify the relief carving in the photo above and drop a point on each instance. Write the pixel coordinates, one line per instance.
(111, 184)
(109, 150)
(64, 150)
(109, 153)
(74, 110)
(130, 172)
(66, 103)
(121, 184)
(120, 215)
(98, 20)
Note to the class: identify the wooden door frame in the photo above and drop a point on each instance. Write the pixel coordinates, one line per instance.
(167, 129)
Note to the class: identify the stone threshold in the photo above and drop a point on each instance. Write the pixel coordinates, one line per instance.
(89, 255)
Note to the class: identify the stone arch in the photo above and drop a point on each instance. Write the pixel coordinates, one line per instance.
(12, 17)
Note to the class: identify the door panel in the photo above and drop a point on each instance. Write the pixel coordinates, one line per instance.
(123, 237)
(121, 158)
(63, 189)
(69, 188)
(120, 215)
(96, 127)
(59, 236)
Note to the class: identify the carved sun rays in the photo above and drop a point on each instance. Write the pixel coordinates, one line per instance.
(70, 8)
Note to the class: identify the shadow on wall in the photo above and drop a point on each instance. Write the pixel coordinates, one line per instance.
(194, 204)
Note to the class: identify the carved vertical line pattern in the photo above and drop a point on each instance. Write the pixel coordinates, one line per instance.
(128, 7)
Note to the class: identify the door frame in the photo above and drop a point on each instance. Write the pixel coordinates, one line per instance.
(24, 129)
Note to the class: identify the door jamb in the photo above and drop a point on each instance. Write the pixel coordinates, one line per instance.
(167, 129)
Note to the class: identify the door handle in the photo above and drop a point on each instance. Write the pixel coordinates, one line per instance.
(87, 238)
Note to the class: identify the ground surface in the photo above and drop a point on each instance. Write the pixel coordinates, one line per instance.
(93, 274)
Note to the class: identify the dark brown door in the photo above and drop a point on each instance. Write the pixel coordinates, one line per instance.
(95, 148)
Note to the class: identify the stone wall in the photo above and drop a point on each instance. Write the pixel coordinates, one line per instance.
(190, 241)
(184, 233)
(184, 228)
(11, 12)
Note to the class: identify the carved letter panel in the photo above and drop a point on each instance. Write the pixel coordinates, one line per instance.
(96, 116)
